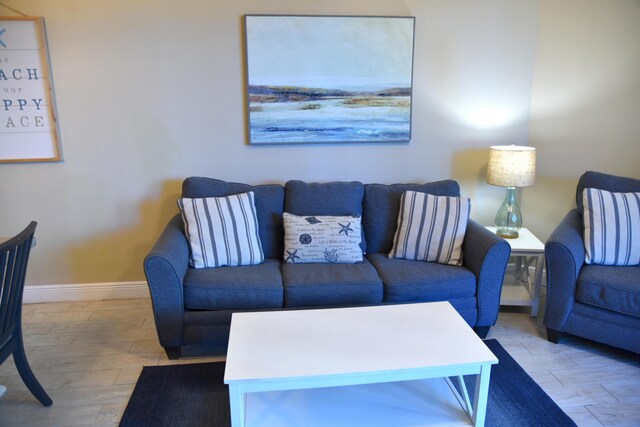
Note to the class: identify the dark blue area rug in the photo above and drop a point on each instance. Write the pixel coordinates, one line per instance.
(195, 395)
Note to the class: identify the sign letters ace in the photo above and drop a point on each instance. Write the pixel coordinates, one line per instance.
(28, 130)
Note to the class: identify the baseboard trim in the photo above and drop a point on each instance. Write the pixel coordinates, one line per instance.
(85, 291)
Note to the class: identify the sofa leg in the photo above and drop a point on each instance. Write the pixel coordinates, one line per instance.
(173, 353)
(482, 331)
(553, 335)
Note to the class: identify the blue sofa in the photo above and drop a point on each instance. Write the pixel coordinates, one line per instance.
(598, 302)
(193, 307)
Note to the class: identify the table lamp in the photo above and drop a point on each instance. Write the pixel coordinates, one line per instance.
(511, 166)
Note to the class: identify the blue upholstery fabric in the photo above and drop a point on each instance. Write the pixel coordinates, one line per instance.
(207, 327)
(564, 253)
(234, 288)
(325, 198)
(615, 289)
(604, 326)
(419, 281)
(381, 205)
(269, 202)
(165, 267)
(331, 284)
(603, 181)
(486, 255)
(592, 301)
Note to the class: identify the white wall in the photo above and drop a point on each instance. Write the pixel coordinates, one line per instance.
(585, 106)
(150, 92)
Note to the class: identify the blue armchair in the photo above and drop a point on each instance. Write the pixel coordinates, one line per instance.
(598, 302)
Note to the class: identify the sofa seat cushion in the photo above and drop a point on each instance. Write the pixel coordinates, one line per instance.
(234, 288)
(612, 288)
(331, 284)
(420, 281)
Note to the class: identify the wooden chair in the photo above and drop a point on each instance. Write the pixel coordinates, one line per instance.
(14, 255)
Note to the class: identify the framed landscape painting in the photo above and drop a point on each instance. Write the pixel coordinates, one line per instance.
(328, 79)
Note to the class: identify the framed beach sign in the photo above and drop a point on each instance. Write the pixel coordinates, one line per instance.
(28, 129)
(328, 79)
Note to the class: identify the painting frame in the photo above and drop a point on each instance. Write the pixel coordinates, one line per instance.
(28, 115)
(328, 79)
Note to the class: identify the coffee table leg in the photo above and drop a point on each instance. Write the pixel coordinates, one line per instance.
(237, 403)
(481, 395)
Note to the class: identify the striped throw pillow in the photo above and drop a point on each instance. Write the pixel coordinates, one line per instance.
(611, 227)
(222, 230)
(431, 228)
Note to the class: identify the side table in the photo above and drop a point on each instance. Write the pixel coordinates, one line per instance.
(518, 288)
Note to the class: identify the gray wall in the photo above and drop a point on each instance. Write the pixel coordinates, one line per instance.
(150, 92)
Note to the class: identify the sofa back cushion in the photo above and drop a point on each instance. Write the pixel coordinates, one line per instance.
(603, 181)
(382, 204)
(269, 203)
(327, 198)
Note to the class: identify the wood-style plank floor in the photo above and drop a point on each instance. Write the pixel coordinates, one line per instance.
(88, 356)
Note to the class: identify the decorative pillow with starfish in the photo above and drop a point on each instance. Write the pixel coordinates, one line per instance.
(322, 239)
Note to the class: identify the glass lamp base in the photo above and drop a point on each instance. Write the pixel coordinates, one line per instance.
(507, 234)
(509, 219)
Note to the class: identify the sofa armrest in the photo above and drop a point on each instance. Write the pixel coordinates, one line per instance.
(165, 267)
(486, 255)
(565, 253)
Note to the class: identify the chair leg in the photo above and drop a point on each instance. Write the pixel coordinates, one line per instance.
(482, 331)
(553, 335)
(173, 353)
(20, 359)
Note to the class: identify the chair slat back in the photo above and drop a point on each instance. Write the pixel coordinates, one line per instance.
(14, 256)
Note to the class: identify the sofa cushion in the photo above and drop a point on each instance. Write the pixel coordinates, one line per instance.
(229, 288)
(322, 238)
(612, 288)
(419, 281)
(327, 198)
(431, 228)
(381, 205)
(611, 227)
(269, 202)
(222, 230)
(331, 284)
(606, 182)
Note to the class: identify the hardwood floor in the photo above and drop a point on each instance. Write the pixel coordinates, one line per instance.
(88, 356)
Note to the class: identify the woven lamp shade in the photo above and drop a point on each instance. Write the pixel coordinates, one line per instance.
(512, 166)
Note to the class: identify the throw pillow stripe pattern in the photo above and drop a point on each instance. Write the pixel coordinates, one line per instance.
(431, 228)
(222, 230)
(611, 227)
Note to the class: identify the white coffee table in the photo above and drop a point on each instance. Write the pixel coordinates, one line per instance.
(309, 349)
